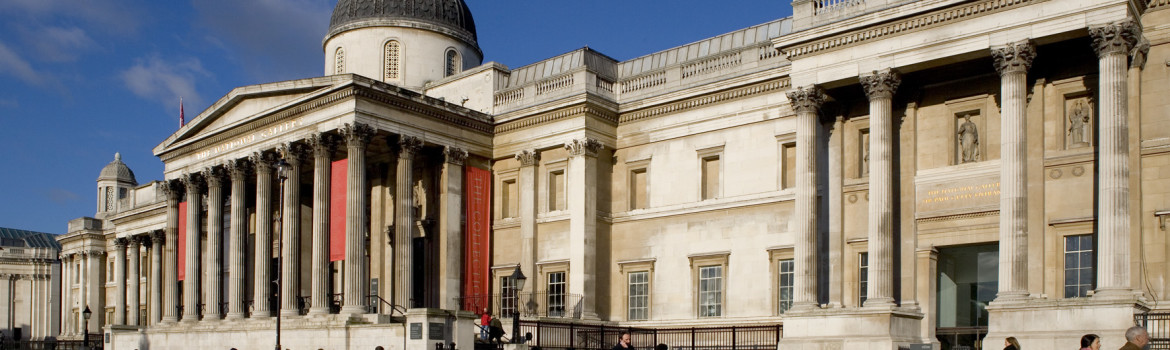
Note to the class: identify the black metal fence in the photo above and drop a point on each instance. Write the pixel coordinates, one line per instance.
(1158, 326)
(95, 342)
(557, 336)
(539, 304)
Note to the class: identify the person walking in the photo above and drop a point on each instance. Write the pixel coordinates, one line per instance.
(496, 330)
(1090, 342)
(1011, 344)
(1136, 338)
(484, 323)
(623, 342)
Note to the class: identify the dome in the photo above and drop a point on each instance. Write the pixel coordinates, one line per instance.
(117, 171)
(444, 16)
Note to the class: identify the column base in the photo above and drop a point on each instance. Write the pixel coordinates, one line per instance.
(1043, 324)
(879, 303)
(290, 313)
(852, 329)
(353, 310)
(235, 316)
(1016, 296)
(318, 311)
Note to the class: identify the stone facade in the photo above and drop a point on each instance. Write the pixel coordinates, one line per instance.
(870, 174)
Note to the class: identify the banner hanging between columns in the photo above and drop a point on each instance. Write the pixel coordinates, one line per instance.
(182, 248)
(337, 199)
(477, 243)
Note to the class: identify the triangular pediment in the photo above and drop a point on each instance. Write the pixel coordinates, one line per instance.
(247, 103)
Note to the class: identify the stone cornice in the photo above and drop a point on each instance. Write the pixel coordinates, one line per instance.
(588, 109)
(483, 126)
(913, 24)
(704, 100)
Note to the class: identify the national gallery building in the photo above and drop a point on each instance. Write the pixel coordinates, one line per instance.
(869, 174)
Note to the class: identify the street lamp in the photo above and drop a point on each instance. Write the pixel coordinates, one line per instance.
(85, 339)
(518, 277)
(282, 168)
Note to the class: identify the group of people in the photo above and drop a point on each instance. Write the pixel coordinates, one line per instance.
(1136, 338)
(490, 328)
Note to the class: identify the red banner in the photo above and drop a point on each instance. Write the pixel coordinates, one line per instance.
(181, 250)
(477, 191)
(337, 210)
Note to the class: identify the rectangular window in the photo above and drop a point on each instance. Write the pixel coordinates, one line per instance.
(556, 190)
(710, 291)
(786, 277)
(511, 205)
(862, 278)
(710, 177)
(1078, 265)
(556, 294)
(638, 190)
(788, 151)
(508, 296)
(639, 302)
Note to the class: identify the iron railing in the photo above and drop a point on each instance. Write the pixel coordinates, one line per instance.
(95, 342)
(1157, 324)
(377, 305)
(539, 304)
(959, 338)
(559, 335)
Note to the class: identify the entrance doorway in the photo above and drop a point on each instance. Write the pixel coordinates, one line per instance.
(968, 278)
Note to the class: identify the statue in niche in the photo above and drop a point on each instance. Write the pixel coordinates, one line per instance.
(865, 153)
(968, 140)
(1078, 125)
(420, 208)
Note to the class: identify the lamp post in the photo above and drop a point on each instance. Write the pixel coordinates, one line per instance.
(281, 169)
(85, 338)
(519, 279)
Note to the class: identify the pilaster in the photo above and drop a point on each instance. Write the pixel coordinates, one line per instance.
(451, 228)
(529, 159)
(582, 196)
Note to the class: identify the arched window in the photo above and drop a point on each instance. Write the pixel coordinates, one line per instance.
(454, 64)
(339, 61)
(393, 60)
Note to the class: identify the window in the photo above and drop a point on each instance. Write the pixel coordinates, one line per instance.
(862, 278)
(454, 64)
(639, 296)
(1078, 265)
(511, 194)
(788, 173)
(556, 294)
(711, 177)
(339, 61)
(710, 291)
(508, 296)
(785, 287)
(393, 60)
(556, 190)
(109, 198)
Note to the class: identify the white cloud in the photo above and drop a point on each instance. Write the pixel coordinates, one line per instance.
(57, 44)
(165, 81)
(11, 63)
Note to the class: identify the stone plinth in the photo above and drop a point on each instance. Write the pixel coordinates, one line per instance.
(1043, 324)
(427, 327)
(319, 332)
(852, 329)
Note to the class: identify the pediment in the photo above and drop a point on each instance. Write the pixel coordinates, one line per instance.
(247, 103)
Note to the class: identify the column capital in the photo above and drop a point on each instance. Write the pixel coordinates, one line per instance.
(322, 144)
(357, 134)
(192, 181)
(1115, 38)
(584, 146)
(1016, 57)
(293, 153)
(172, 190)
(807, 99)
(213, 175)
(409, 145)
(528, 157)
(455, 155)
(1138, 54)
(881, 84)
(237, 169)
(157, 237)
(262, 160)
(121, 243)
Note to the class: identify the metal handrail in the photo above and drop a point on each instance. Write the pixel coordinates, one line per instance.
(378, 302)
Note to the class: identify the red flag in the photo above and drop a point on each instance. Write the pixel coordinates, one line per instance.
(182, 118)
(477, 240)
(181, 250)
(337, 209)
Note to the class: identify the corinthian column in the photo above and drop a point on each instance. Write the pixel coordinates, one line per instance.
(262, 290)
(237, 237)
(807, 104)
(323, 146)
(191, 280)
(527, 183)
(96, 291)
(582, 196)
(880, 88)
(290, 224)
(170, 287)
(120, 280)
(1012, 63)
(134, 284)
(451, 228)
(156, 286)
(1113, 44)
(214, 259)
(408, 148)
(357, 136)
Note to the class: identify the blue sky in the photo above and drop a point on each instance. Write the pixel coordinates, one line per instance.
(82, 79)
